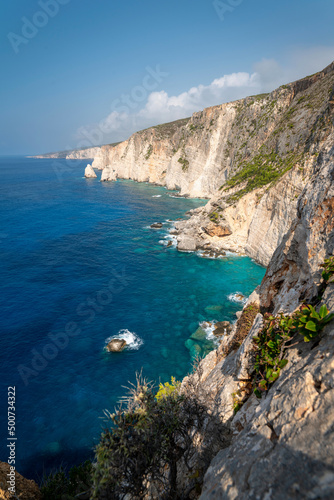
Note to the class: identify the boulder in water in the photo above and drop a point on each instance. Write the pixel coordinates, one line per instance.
(116, 345)
(156, 225)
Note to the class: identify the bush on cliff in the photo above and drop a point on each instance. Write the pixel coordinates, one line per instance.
(146, 440)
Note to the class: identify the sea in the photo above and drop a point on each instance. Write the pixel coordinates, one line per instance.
(80, 265)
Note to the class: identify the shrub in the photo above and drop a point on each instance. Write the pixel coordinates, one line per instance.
(270, 344)
(59, 485)
(184, 162)
(146, 440)
(328, 272)
(167, 390)
(310, 323)
(273, 339)
(149, 152)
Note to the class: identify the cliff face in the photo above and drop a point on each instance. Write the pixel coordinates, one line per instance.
(283, 444)
(251, 157)
(75, 154)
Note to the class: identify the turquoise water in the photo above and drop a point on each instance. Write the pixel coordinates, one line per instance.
(78, 256)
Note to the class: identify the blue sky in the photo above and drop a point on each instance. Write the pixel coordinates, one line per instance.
(80, 72)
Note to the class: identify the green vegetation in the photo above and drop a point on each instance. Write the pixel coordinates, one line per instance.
(263, 169)
(309, 323)
(328, 272)
(270, 344)
(184, 162)
(62, 486)
(147, 439)
(214, 217)
(149, 152)
(275, 336)
(167, 390)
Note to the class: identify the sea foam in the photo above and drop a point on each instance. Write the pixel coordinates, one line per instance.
(133, 341)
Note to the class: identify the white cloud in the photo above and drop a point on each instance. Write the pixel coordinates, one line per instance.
(159, 107)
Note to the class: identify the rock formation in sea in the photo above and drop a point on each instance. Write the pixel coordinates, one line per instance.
(108, 174)
(89, 171)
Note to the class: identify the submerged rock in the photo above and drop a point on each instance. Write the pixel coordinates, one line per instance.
(222, 328)
(116, 345)
(89, 172)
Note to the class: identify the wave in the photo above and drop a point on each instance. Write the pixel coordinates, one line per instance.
(237, 298)
(156, 196)
(209, 327)
(167, 239)
(133, 341)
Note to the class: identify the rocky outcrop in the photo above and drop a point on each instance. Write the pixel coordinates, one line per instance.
(89, 172)
(108, 174)
(25, 489)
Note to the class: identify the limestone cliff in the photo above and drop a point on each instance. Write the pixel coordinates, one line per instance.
(283, 444)
(75, 154)
(251, 157)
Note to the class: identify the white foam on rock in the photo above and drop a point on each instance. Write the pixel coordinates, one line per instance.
(209, 327)
(237, 298)
(133, 341)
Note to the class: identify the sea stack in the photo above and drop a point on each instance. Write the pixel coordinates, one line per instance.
(89, 172)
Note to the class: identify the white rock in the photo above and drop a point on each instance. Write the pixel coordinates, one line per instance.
(108, 174)
(89, 171)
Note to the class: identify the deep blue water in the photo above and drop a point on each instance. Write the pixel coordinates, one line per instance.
(77, 255)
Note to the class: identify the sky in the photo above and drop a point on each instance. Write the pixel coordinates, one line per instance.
(78, 73)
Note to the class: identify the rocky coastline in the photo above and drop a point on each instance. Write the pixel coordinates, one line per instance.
(267, 165)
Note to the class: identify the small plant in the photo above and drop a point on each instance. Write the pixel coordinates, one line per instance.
(214, 217)
(166, 390)
(270, 345)
(309, 323)
(328, 272)
(149, 152)
(184, 162)
(277, 332)
(237, 401)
